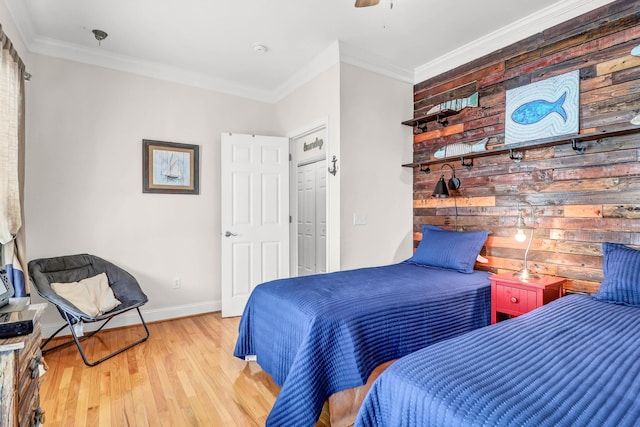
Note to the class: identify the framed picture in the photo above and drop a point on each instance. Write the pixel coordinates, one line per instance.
(169, 167)
(543, 109)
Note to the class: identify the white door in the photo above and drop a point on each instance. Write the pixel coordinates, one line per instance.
(306, 220)
(321, 217)
(312, 218)
(254, 215)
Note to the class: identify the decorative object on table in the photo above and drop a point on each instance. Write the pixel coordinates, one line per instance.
(169, 167)
(458, 148)
(543, 109)
(16, 323)
(454, 105)
(6, 288)
(520, 236)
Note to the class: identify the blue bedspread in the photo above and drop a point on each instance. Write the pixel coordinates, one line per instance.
(317, 335)
(573, 362)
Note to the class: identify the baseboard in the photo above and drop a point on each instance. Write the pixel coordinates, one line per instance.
(151, 315)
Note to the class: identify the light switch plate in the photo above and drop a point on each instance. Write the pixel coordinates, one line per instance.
(359, 219)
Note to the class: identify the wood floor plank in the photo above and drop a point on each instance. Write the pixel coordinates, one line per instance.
(184, 375)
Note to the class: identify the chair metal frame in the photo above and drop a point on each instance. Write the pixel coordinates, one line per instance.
(72, 321)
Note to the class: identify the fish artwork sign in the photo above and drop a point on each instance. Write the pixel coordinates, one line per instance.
(460, 149)
(454, 105)
(543, 109)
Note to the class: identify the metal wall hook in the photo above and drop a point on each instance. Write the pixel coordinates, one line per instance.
(333, 169)
(517, 157)
(427, 170)
(578, 147)
(469, 164)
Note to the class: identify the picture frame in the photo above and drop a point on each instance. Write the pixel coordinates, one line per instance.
(170, 167)
(543, 109)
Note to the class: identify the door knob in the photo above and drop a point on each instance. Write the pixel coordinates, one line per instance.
(229, 234)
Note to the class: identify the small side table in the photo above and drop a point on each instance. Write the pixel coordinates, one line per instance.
(512, 296)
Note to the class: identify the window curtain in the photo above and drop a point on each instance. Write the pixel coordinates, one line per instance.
(12, 144)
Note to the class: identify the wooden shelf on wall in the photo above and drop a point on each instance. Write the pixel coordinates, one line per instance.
(421, 122)
(575, 139)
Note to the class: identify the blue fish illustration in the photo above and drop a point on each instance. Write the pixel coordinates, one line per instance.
(534, 111)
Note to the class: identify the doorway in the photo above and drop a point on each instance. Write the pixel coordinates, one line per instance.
(310, 225)
(311, 181)
(254, 215)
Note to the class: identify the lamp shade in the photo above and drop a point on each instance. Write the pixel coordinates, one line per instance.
(441, 189)
(454, 183)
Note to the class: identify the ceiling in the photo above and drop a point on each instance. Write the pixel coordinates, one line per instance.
(209, 43)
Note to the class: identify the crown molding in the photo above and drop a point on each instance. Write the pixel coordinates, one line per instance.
(72, 52)
(319, 64)
(374, 63)
(105, 59)
(18, 11)
(334, 53)
(519, 30)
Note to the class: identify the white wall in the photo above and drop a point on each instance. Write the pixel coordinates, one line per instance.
(364, 111)
(374, 144)
(85, 126)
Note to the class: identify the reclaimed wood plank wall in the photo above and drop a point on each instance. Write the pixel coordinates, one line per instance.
(580, 200)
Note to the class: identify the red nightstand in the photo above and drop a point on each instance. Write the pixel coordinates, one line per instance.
(512, 296)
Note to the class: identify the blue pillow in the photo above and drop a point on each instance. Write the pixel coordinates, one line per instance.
(453, 250)
(621, 268)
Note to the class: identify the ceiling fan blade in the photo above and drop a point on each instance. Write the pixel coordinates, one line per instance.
(366, 3)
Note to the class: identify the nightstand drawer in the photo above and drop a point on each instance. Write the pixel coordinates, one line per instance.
(514, 300)
(511, 296)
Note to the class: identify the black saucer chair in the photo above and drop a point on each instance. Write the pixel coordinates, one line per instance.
(73, 268)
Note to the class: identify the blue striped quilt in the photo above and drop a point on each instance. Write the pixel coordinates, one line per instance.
(573, 362)
(317, 335)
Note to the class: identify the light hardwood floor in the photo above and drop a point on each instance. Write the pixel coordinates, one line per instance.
(184, 375)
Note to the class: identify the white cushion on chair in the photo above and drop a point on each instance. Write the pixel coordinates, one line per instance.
(92, 295)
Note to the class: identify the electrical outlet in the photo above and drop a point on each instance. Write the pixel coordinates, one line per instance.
(177, 283)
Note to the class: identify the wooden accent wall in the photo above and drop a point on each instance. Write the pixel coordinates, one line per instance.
(580, 200)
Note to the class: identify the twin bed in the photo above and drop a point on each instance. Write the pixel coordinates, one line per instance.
(318, 335)
(575, 361)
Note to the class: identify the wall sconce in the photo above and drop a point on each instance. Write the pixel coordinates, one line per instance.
(441, 188)
(520, 236)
